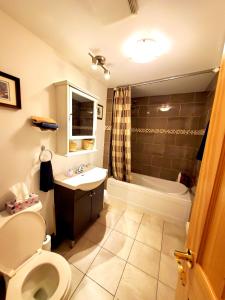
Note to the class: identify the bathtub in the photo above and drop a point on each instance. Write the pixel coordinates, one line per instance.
(169, 199)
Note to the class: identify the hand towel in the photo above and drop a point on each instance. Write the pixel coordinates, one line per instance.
(44, 125)
(46, 176)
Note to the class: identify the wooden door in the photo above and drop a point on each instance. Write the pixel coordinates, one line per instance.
(206, 237)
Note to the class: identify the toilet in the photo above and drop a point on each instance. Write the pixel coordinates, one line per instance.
(30, 272)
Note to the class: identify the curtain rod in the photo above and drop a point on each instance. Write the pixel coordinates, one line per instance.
(214, 70)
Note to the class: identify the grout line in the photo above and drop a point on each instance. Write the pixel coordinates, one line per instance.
(129, 255)
(160, 260)
(99, 285)
(77, 286)
(167, 285)
(126, 261)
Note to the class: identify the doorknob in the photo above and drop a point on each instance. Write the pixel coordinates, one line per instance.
(186, 256)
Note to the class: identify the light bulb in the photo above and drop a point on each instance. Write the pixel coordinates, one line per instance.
(94, 64)
(216, 70)
(165, 107)
(107, 74)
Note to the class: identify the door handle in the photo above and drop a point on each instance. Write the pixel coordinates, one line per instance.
(188, 258)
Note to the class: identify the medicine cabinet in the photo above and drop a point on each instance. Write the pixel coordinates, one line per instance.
(76, 112)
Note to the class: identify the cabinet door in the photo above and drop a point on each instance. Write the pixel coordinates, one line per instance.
(97, 201)
(82, 213)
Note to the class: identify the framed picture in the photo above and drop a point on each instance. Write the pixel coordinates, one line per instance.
(10, 91)
(99, 112)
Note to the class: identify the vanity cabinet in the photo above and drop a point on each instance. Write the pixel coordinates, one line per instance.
(75, 210)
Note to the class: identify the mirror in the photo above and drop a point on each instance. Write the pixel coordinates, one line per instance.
(82, 114)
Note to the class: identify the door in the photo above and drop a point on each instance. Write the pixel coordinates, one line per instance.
(202, 270)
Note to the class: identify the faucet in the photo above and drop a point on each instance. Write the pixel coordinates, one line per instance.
(80, 169)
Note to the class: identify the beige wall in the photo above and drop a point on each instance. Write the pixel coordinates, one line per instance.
(38, 66)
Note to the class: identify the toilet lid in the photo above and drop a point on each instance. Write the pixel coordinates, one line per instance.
(20, 237)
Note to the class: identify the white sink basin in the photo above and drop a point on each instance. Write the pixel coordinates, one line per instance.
(85, 181)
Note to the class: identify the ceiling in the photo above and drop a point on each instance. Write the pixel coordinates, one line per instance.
(195, 31)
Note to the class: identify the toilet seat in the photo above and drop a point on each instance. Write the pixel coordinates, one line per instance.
(16, 283)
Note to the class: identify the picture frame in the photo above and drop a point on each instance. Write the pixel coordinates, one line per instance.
(10, 91)
(99, 112)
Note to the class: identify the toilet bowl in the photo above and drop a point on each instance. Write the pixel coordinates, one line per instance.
(29, 271)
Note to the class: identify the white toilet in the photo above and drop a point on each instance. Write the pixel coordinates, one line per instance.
(29, 271)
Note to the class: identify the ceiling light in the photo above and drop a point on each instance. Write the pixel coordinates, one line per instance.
(216, 70)
(107, 74)
(144, 50)
(165, 107)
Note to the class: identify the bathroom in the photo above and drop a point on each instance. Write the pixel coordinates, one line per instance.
(126, 252)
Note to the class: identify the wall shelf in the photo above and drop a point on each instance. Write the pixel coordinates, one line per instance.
(80, 152)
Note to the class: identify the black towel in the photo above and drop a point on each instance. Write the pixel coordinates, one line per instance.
(46, 176)
(202, 146)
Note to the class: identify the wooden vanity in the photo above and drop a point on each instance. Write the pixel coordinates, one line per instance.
(75, 210)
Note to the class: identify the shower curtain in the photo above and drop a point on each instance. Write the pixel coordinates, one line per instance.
(121, 133)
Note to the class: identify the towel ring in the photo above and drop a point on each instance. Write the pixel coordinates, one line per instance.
(43, 150)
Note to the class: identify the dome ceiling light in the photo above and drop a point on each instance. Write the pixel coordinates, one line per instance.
(143, 50)
(99, 61)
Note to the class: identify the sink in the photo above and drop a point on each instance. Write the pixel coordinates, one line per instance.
(85, 181)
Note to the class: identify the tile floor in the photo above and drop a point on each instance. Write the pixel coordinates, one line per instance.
(125, 255)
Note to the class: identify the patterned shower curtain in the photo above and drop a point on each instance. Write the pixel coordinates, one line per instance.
(121, 133)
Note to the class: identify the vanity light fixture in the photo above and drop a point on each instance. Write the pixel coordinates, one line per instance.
(99, 61)
(166, 107)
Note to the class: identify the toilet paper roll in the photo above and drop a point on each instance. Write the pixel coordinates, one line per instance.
(47, 243)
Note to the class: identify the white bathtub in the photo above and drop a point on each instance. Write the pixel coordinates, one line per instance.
(166, 198)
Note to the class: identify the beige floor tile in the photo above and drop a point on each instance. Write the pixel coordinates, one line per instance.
(119, 244)
(150, 236)
(114, 205)
(145, 258)
(171, 243)
(136, 285)
(127, 226)
(153, 221)
(175, 229)
(83, 254)
(63, 248)
(88, 289)
(76, 279)
(97, 233)
(109, 218)
(133, 215)
(164, 292)
(106, 270)
(168, 271)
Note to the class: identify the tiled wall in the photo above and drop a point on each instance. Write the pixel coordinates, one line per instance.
(163, 143)
(165, 154)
